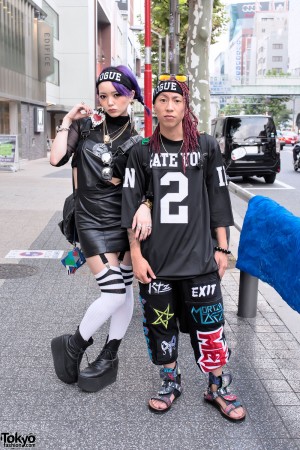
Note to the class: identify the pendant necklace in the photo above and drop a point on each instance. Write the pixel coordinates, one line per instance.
(108, 138)
(161, 141)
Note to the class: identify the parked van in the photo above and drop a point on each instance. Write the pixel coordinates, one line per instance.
(249, 145)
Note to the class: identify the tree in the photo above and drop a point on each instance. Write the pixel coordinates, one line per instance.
(160, 15)
(275, 106)
(201, 23)
(197, 57)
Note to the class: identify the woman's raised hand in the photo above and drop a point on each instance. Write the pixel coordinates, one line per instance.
(78, 111)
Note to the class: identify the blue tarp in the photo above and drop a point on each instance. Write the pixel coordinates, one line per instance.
(269, 248)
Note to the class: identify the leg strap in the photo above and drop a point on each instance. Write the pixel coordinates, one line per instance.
(171, 385)
(104, 260)
(222, 393)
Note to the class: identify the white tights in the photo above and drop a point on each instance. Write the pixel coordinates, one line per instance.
(116, 301)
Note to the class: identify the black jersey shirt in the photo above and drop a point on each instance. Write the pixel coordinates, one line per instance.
(187, 204)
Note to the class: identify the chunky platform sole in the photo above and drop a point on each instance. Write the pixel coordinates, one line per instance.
(90, 384)
(58, 346)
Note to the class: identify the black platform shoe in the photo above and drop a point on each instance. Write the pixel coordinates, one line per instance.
(103, 371)
(67, 351)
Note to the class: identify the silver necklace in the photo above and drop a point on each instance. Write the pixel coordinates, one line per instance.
(161, 141)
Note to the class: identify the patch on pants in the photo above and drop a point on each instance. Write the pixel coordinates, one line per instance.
(213, 349)
(208, 314)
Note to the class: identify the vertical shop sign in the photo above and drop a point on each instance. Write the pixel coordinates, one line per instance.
(45, 50)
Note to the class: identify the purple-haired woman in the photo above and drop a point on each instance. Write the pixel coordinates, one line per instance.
(93, 140)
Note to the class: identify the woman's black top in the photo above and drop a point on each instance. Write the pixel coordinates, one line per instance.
(98, 201)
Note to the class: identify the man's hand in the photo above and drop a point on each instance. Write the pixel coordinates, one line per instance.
(222, 261)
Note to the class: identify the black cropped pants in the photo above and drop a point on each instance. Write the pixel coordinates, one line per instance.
(193, 306)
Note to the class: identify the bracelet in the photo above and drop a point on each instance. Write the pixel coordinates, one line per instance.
(222, 250)
(60, 128)
(147, 203)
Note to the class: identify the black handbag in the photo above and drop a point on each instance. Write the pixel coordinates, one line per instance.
(67, 224)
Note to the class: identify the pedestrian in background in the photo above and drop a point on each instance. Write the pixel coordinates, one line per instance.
(93, 139)
(178, 268)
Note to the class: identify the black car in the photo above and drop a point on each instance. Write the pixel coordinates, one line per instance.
(249, 145)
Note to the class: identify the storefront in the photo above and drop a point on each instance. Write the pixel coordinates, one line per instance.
(26, 56)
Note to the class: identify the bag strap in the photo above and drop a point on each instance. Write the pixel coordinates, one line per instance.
(86, 129)
(123, 148)
(202, 141)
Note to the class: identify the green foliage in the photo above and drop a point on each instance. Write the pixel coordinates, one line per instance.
(160, 14)
(275, 106)
(275, 73)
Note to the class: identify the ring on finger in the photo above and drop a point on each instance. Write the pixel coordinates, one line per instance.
(139, 226)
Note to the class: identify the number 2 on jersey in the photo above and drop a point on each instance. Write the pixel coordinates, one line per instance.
(176, 197)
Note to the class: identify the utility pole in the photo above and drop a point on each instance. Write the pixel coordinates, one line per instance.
(174, 24)
(148, 70)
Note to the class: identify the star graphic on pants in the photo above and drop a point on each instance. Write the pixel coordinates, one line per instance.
(163, 317)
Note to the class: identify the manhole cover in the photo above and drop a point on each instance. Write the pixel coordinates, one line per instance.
(8, 271)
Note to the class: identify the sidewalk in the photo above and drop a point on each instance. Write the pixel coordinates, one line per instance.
(44, 302)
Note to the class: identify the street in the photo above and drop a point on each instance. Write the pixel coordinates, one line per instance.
(285, 190)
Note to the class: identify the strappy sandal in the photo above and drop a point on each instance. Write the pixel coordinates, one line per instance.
(231, 400)
(171, 385)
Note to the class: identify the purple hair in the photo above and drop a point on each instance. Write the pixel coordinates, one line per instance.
(123, 90)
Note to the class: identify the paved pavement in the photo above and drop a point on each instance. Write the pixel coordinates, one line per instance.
(45, 302)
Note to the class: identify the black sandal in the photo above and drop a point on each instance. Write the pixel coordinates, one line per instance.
(230, 400)
(171, 385)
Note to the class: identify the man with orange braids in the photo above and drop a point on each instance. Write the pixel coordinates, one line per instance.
(178, 173)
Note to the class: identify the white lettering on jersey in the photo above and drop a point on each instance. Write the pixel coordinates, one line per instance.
(176, 197)
(194, 158)
(155, 162)
(129, 178)
(171, 159)
(203, 291)
(222, 176)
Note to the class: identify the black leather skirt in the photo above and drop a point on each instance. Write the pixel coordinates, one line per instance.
(98, 223)
(94, 241)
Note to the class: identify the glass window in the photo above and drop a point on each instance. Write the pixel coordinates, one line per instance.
(52, 19)
(4, 114)
(279, 46)
(219, 128)
(250, 127)
(12, 37)
(54, 78)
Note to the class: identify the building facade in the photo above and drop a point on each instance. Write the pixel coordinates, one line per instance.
(50, 55)
(25, 61)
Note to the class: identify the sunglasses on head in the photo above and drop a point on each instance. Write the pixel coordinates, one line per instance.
(168, 76)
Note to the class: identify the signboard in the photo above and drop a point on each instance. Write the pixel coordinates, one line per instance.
(9, 151)
(35, 254)
(38, 120)
(45, 50)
